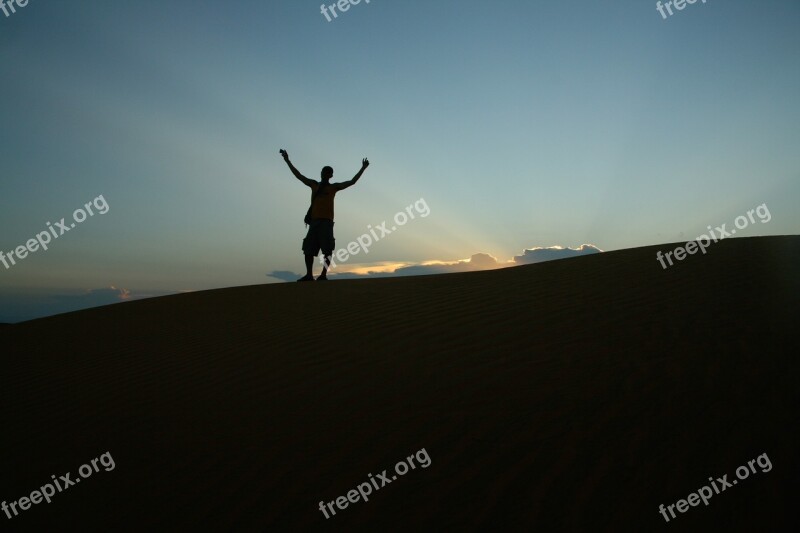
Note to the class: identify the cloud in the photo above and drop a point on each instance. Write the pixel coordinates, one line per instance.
(479, 261)
(94, 297)
(284, 275)
(476, 262)
(551, 253)
(22, 305)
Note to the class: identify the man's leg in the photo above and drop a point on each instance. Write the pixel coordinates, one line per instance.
(309, 264)
(327, 244)
(324, 275)
(309, 244)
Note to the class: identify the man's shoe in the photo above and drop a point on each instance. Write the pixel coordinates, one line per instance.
(306, 278)
(322, 278)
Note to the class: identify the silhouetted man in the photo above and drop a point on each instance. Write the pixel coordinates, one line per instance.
(320, 223)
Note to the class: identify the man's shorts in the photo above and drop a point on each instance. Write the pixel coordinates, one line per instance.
(319, 237)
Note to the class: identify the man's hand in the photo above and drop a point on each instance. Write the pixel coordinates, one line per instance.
(296, 173)
(346, 184)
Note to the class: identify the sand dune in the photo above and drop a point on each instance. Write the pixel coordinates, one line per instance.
(570, 395)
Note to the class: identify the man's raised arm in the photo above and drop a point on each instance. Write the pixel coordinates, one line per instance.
(346, 184)
(296, 172)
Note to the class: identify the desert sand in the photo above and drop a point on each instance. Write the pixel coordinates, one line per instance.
(571, 395)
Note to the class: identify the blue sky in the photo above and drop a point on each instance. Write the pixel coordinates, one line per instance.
(521, 124)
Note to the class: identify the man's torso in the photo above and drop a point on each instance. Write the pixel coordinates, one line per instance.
(322, 206)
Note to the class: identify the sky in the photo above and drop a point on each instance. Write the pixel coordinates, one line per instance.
(519, 125)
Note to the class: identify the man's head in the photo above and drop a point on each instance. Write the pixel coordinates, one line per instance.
(327, 173)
